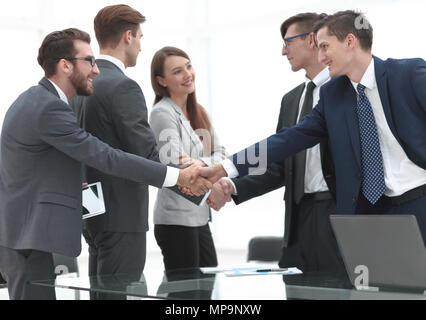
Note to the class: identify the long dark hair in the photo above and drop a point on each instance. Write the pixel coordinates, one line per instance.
(197, 115)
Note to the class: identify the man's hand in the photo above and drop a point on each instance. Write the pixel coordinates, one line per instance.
(190, 178)
(213, 173)
(186, 191)
(221, 194)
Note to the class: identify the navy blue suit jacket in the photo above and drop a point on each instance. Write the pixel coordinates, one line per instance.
(402, 90)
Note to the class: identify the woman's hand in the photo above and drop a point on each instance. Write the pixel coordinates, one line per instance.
(186, 161)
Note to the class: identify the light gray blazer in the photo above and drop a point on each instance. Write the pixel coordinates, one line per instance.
(174, 136)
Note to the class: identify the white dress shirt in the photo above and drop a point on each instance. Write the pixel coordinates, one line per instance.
(401, 174)
(314, 178)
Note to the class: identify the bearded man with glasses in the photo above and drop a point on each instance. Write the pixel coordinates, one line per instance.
(42, 151)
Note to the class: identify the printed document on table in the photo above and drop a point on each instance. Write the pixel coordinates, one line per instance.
(263, 271)
(250, 270)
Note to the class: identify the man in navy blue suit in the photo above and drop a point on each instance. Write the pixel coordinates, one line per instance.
(374, 114)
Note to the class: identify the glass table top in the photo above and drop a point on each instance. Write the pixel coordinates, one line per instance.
(192, 284)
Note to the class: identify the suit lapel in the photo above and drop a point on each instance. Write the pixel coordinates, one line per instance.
(349, 103)
(195, 139)
(292, 111)
(381, 79)
(185, 124)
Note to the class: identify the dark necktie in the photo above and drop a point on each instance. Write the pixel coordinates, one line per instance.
(300, 158)
(373, 178)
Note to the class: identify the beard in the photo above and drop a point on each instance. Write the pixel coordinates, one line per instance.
(81, 83)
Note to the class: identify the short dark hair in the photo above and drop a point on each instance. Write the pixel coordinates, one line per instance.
(305, 22)
(58, 45)
(112, 21)
(342, 23)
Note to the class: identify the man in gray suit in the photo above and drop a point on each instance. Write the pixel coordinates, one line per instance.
(42, 148)
(308, 177)
(116, 113)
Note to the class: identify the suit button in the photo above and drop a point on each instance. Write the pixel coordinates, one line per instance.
(359, 176)
(353, 200)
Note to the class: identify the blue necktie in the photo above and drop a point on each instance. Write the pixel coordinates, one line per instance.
(373, 179)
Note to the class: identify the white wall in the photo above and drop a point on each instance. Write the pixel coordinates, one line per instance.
(235, 47)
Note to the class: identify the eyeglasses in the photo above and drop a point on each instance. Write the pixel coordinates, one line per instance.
(92, 60)
(286, 40)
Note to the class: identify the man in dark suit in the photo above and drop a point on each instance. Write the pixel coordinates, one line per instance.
(42, 148)
(309, 242)
(116, 113)
(374, 114)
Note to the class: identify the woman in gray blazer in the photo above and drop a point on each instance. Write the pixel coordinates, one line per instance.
(185, 136)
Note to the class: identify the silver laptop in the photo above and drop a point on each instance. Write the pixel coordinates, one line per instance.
(388, 250)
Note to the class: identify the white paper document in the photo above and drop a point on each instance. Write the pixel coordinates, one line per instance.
(261, 271)
(251, 270)
(93, 201)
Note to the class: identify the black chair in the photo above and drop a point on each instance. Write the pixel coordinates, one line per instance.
(265, 249)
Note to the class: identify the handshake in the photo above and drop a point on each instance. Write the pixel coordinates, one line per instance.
(196, 179)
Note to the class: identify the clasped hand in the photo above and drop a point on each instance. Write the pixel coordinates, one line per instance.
(220, 194)
(198, 179)
(190, 179)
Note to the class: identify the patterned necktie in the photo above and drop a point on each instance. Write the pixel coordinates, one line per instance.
(300, 158)
(373, 179)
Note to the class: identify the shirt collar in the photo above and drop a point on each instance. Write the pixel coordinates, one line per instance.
(113, 60)
(368, 79)
(320, 78)
(61, 94)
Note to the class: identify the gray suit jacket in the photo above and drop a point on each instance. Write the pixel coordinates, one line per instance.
(42, 148)
(175, 135)
(280, 174)
(116, 113)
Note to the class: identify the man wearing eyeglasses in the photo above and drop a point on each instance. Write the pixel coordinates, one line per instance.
(117, 114)
(374, 113)
(42, 148)
(308, 177)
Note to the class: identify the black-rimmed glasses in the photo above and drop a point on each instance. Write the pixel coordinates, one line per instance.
(92, 60)
(286, 40)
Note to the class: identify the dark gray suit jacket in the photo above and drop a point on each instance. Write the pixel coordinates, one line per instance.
(280, 174)
(116, 113)
(42, 148)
